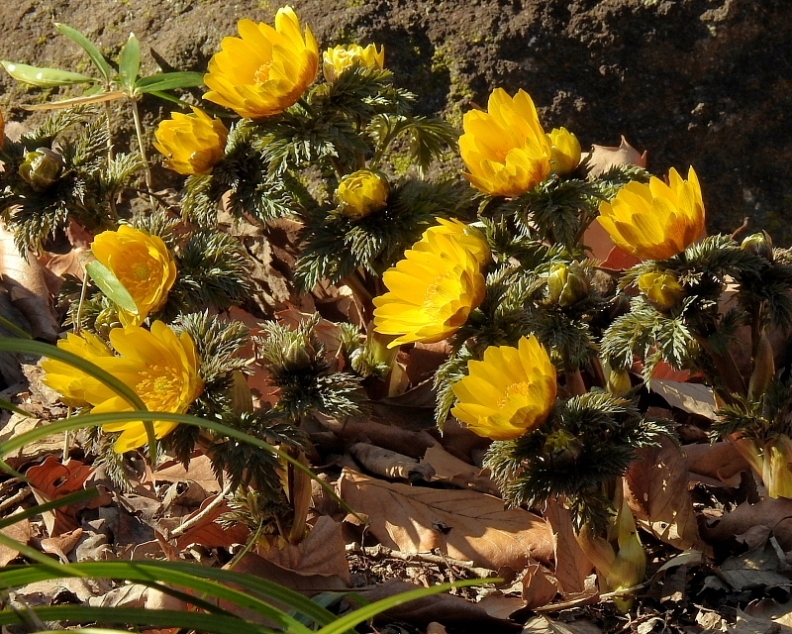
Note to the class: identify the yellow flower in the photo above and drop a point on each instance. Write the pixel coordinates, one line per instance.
(509, 393)
(191, 143)
(470, 238)
(141, 263)
(566, 151)
(67, 380)
(361, 193)
(431, 292)
(662, 289)
(266, 70)
(505, 149)
(655, 221)
(339, 59)
(161, 367)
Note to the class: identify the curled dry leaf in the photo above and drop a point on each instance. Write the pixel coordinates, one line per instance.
(207, 532)
(464, 525)
(452, 470)
(24, 280)
(389, 464)
(52, 480)
(321, 553)
(718, 464)
(539, 587)
(572, 567)
(602, 158)
(62, 545)
(693, 398)
(21, 532)
(656, 488)
(199, 471)
(773, 516)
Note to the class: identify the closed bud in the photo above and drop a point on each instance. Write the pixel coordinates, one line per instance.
(241, 396)
(362, 193)
(566, 151)
(662, 289)
(41, 169)
(617, 380)
(759, 244)
(562, 447)
(776, 460)
(567, 284)
(764, 368)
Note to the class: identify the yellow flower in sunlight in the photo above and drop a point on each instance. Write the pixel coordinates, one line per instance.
(509, 393)
(662, 289)
(468, 237)
(431, 292)
(339, 59)
(266, 70)
(191, 143)
(160, 366)
(142, 263)
(67, 380)
(505, 149)
(655, 221)
(361, 193)
(566, 151)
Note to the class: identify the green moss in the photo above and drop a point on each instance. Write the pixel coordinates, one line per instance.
(459, 91)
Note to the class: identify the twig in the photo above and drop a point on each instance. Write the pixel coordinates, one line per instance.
(381, 551)
(179, 530)
(16, 498)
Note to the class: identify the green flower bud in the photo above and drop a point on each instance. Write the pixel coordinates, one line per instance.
(662, 289)
(41, 169)
(759, 244)
(567, 284)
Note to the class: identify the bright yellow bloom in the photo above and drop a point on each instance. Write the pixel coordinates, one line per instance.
(361, 193)
(67, 380)
(142, 263)
(655, 221)
(161, 367)
(566, 151)
(470, 238)
(191, 143)
(509, 393)
(662, 289)
(431, 292)
(339, 59)
(505, 149)
(266, 70)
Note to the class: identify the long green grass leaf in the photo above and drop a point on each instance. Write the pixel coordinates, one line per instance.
(4, 404)
(111, 286)
(129, 63)
(169, 81)
(60, 569)
(12, 327)
(44, 77)
(96, 57)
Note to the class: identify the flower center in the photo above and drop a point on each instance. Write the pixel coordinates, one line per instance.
(141, 271)
(160, 389)
(263, 73)
(515, 396)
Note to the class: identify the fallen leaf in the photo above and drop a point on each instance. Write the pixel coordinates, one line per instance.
(62, 545)
(24, 280)
(199, 470)
(602, 158)
(18, 425)
(321, 553)
(718, 464)
(755, 569)
(572, 567)
(774, 515)
(656, 487)
(693, 398)
(21, 532)
(390, 464)
(52, 480)
(452, 470)
(539, 587)
(256, 565)
(464, 525)
(544, 625)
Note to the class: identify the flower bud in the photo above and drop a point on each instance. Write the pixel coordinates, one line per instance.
(567, 284)
(776, 473)
(764, 368)
(566, 151)
(662, 289)
(41, 168)
(339, 59)
(562, 447)
(361, 193)
(617, 381)
(759, 244)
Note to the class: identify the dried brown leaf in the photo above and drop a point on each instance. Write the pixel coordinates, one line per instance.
(321, 553)
(656, 487)
(207, 532)
(199, 471)
(52, 480)
(572, 567)
(452, 470)
(602, 158)
(693, 398)
(20, 531)
(62, 545)
(718, 464)
(539, 587)
(390, 464)
(545, 625)
(464, 525)
(24, 280)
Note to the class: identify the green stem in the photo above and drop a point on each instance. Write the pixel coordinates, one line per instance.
(142, 146)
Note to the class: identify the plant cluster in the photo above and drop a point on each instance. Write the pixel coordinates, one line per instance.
(550, 350)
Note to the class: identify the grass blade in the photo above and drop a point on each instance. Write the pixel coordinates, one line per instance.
(44, 77)
(66, 500)
(169, 81)
(96, 57)
(129, 63)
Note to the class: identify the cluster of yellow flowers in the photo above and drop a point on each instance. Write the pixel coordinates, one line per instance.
(258, 74)
(432, 291)
(159, 365)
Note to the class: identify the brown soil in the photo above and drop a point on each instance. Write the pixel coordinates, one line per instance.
(701, 82)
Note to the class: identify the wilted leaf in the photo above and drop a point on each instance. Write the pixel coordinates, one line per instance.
(718, 464)
(604, 157)
(52, 480)
(62, 545)
(463, 525)
(452, 470)
(539, 588)
(545, 625)
(21, 532)
(321, 553)
(773, 516)
(209, 533)
(693, 398)
(657, 492)
(389, 464)
(199, 471)
(572, 567)
(24, 280)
